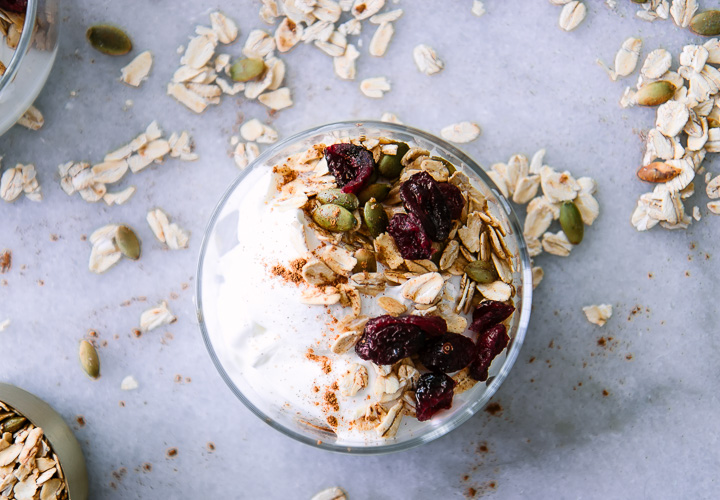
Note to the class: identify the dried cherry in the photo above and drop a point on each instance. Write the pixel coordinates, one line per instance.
(453, 198)
(434, 393)
(447, 353)
(409, 236)
(490, 343)
(387, 339)
(422, 197)
(490, 313)
(14, 5)
(352, 166)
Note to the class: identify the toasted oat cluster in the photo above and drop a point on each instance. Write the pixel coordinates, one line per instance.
(29, 469)
(380, 214)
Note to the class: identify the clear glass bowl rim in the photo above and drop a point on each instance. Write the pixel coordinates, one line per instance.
(26, 38)
(457, 419)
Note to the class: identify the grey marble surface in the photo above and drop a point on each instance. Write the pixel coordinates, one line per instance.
(529, 85)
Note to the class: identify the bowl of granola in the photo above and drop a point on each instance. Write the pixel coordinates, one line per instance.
(39, 455)
(364, 287)
(26, 57)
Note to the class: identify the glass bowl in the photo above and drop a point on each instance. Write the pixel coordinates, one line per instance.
(221, 237)
(29, 63)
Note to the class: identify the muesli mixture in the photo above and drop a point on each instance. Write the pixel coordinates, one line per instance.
(404, 265)
(29, 469)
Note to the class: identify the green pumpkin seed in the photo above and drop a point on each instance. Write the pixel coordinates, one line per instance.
(481, 271)
(109, 39)
(377, 191)
(655, 93)
(706, 23)
(337, 197)
(244, 70)
(390, 166)
(571, 222)
(640, 1)
(451, 168)
(12, 425)
(376, 219)
(128, 242)
(334, 218)
(89, 359)
(365, 261)
(713, 122)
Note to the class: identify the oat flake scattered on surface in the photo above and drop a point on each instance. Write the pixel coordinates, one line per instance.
(598, 314)
(461, 133)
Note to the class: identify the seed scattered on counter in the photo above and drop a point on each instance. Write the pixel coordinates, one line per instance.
(170, 234)
(334, 493)
(89, 359)
(172, 452)
(108, 39)
(138, 69)
(155, 317)
(4, 324)
(598, 314)
(106, 250)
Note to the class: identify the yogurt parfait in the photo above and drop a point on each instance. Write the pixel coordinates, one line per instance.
(362, 287)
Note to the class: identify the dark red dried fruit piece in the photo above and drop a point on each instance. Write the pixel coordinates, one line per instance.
(422, 197)
(434, 393)
(453, 198)
(14, 5)
(490, 343)
(387, 339)
(448, 353)
(490, 313)
(351, 165)
(433, 326)
(410, 237)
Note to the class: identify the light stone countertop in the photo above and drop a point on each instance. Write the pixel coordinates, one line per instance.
(529, 85)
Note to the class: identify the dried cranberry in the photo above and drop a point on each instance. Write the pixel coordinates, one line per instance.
(490, 343)
(422, 196)
(448, 353)
(490, 313)
(434, 393)
(387, 339)
(351, 165)
(14, 5)
(410, 237)
(453, 198)
(433, 326)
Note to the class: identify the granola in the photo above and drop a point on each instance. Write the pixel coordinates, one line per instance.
(29, 468)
